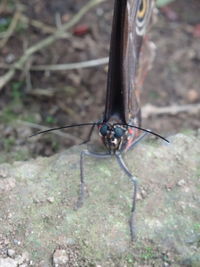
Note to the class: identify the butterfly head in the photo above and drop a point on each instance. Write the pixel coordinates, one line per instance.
(113, 136)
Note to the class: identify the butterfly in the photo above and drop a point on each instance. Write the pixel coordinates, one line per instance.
(120, 127)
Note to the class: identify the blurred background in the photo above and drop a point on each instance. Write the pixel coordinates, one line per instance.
(32, 99)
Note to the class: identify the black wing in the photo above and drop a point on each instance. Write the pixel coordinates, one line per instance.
(129, 23)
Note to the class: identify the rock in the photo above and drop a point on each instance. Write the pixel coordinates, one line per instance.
(181, 182)
(8, 262)
(193, 96)
(17, 242)
(11, 253)
(60, 257)
(167, 221)
(50, 199)
(7, 184)
(10, 58)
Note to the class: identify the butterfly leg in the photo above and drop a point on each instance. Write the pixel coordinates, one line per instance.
(137, 140)
(89, 135)
(82, 180)
(134, 181)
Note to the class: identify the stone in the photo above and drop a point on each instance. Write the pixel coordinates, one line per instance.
(167, 221)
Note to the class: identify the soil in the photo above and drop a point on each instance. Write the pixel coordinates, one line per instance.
(64, 97)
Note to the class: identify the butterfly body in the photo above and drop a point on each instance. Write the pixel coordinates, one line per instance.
(122, 107)
(120, 129)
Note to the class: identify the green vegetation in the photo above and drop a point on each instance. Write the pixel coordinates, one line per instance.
(16, 90)
(8, 143)
(130, 260)
(4, 24)
(55, 144)
(11, 4)
(197, 227)
(11, 156)
(21, 26)
(187, 132)
(69, 90)
(148, 254)
(161, 3)
(51, 120)
(8, 114)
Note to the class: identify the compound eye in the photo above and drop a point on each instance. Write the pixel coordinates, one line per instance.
(103, 130)
(118, 132)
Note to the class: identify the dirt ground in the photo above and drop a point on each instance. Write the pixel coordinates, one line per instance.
(42, 98)
(63, 97)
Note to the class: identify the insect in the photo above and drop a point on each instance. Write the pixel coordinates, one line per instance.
(120, 128)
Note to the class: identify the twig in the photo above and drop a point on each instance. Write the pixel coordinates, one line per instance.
(69, 66)
(35, 23)
(6, 77)
(58, 20)
(150, 110)
(46, 42)
(47, 92)
(38, 24)
(43, 128)
(11, 29)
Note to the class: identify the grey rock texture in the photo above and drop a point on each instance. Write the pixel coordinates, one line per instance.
(38, 216)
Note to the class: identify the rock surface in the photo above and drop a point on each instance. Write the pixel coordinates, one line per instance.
(38, 215)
